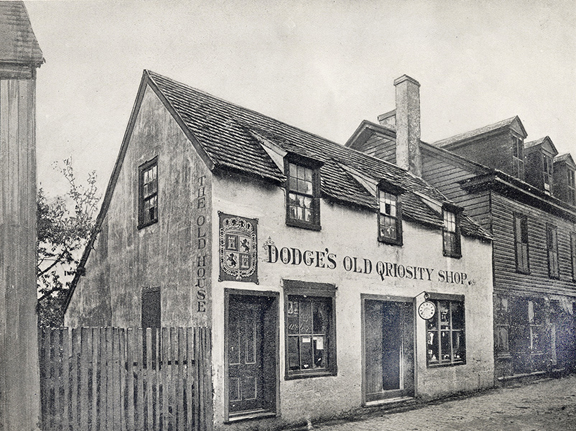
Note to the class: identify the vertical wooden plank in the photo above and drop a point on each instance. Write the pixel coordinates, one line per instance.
(102, 380)
(122, 370)
(51, 388)
(180, 418)
(109, 381)
(165, 368)
(147, 380)
(207, 380)
(130, 334)
(66, 378)
(75, 389)
(190, 384)
(139, 396)
(156, 393)
(95, 335)
(84, 393)
(117, 381)
(56, 344)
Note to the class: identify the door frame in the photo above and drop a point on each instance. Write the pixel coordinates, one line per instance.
(383, 298)
(274, 313)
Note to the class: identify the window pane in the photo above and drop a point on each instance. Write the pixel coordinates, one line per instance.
(293, 353)
(305, 317)
(445, 346)
(457, 315)
(318, 345)
(320, 317)
(432, 347)
(458, 346)
(306, 352)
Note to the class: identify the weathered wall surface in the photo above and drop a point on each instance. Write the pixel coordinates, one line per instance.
(348, 232)
(165, 254)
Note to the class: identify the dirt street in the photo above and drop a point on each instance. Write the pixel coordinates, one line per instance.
(544, 405)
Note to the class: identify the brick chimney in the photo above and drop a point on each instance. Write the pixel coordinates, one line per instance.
(408, 124)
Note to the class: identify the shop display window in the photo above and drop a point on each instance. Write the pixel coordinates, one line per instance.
(445, 336)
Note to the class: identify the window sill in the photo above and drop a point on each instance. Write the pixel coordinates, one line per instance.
(455, 364)
(388, 241)
(309, 226)
(310, 375)
(142, 226)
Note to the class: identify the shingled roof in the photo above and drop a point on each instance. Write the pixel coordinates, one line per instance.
(226, 133)
(17, 41)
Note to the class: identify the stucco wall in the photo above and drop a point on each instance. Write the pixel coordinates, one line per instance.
(165, 254)
(352, 232)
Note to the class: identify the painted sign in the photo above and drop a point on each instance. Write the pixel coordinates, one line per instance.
(238, 248)
(328, 260)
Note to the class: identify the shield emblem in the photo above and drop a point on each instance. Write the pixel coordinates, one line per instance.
(238, 248)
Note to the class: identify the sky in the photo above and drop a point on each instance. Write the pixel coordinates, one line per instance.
(323, 66)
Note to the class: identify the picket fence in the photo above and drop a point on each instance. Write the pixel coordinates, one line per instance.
(120, 379)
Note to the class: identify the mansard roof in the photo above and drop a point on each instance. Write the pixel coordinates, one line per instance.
(18, 43)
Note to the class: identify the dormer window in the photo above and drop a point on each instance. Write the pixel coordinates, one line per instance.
(571, 187)
(548, 171)
(451, 233)
(518, 157)
(303, 195)
(389, 218)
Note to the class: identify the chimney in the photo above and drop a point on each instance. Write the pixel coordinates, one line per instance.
(408, 124)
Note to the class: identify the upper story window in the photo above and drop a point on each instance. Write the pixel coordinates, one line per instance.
(552, 245)
(303, 195)
(518, 157)
(389, 217)
(573, 253)
(521, 243)
(548, 171)
(451, 233)
(571, 187)
(148, 193)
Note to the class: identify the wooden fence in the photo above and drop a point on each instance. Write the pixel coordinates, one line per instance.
(119, 379)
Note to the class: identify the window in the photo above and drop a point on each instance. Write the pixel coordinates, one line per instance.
(529, 339)
(310, 337)
(302, 204)
(445, 338)
(571, 188)
(502, 321)
(521, 243)
(573, 253)
(451, 234)
(389, 218)
(547, 172)
(552, 245)
(148, 193)
(518, 157)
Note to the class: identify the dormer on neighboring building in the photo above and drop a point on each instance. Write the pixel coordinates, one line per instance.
(564, 187)
(538, 159)
(498, 146)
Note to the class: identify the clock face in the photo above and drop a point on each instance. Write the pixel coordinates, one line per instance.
(427, 310)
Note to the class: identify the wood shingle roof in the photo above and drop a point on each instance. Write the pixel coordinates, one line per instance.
(17, 41)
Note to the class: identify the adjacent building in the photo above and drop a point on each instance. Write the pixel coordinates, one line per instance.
(331, 279)
(523, 193)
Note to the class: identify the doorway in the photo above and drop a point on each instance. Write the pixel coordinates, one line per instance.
(388, 334)
(251, 354)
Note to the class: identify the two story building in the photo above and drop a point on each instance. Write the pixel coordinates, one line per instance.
(523, 194)
(330, 279)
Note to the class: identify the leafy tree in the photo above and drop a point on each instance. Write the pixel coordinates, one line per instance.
(62, 236)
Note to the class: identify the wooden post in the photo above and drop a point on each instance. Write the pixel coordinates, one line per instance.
(19, 370)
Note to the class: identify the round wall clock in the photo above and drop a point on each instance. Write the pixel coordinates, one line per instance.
(427, 310)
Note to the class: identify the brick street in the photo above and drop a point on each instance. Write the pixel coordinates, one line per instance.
(548, 405)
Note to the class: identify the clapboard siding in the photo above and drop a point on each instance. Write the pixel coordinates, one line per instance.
(506, 277)
(380, 147)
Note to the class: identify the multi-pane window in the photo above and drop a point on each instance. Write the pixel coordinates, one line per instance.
(571, 187)
(552, 245)
(518, 157)
(529, 336)
(389, 218)
(148, 193)
(573, 253)
(547, 172)
(451, 234)
(521, 242)
(502, 323)
(310, 337)
(302, 196)
(445, 337)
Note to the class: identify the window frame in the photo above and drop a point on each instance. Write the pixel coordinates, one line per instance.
(518, 165)
(518, 235)
(322, 292)
(314, 165)
(547, 172)
(573, 254)
(451, 299)
(571, 186)
(396, 192)
(457, 251)
(142, 169)
(552, 251)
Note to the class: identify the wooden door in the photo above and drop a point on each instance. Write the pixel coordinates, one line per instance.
(251, 345)
(388, 349)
